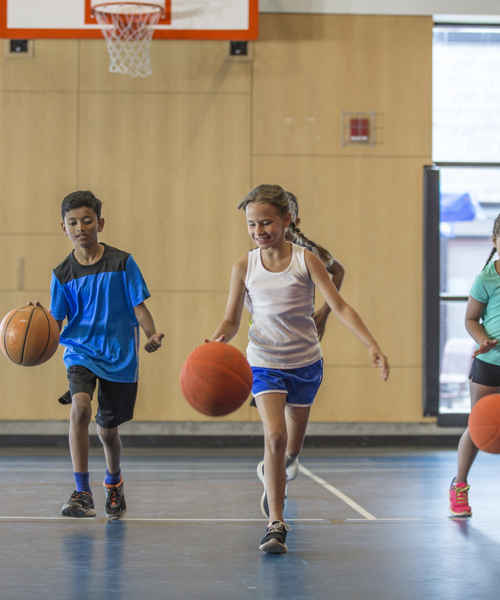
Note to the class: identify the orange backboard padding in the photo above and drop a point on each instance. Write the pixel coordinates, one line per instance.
(180, 34)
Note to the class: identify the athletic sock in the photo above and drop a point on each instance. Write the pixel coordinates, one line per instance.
(112, 478)
(82, 482)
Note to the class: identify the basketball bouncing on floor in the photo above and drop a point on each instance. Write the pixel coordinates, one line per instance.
(216, 379)
(29, 335)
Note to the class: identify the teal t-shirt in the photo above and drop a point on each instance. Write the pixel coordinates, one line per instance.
(486, 289)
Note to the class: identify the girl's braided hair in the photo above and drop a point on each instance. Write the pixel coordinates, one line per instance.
(297, 237)
(496, 233)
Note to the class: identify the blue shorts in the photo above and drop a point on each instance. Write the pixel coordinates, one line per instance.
(301, 385)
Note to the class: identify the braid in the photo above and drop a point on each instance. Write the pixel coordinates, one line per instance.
(496, 235)
(297, 237)
(492, 254)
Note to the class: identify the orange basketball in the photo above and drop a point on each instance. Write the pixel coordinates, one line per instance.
(216, 379)
(484, 424)
(29, 335)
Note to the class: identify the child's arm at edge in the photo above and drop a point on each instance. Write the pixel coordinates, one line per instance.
(474, 328)
(320, 317)
(345, 313)
(146, 322)
(229, 326)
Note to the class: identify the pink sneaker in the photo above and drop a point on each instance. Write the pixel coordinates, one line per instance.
(459, 500)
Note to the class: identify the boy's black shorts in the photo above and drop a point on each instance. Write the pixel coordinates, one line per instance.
(116, 400)
(484, 373)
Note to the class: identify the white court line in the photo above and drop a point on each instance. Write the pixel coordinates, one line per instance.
(126, 470)
(397, 519)
(25, 518)
(337, 493)
(146, 520)
(220, 520)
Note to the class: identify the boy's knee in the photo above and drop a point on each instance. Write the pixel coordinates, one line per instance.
(107, 436)
(81, 409)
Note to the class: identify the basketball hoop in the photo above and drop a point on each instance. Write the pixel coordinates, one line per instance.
(128, 29)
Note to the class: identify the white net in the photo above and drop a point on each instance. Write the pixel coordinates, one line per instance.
(128, 30)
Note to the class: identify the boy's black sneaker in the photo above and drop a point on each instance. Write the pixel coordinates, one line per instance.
(81, 504)
(274, 540)
(115, 507)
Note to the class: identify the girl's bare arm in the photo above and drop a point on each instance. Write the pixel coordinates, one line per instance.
(345, 313)
(229, 326)
(475, 329)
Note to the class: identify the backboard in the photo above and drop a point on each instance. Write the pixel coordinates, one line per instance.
(182, 19)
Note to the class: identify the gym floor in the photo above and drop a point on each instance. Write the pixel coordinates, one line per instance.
(370, 523)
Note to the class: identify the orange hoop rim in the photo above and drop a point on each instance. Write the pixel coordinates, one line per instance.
(101, 8)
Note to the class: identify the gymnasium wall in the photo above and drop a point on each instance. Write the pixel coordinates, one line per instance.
(170, 156)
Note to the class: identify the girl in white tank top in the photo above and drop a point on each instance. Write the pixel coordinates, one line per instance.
(277, 280)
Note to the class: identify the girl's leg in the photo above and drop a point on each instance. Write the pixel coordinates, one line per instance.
(296, 424)
(81, 413)
(467, 451)
(271, 409)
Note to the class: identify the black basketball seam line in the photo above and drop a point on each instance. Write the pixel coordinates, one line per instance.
(200, 347)
(239, 377)
(27, 330)
(48, 337)
(5, 335)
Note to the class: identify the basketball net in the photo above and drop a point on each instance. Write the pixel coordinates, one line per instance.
(128, 29)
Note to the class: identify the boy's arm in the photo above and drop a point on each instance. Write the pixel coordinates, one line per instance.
(146, 322)
(344, 313)
(232, 318)
(320, 317)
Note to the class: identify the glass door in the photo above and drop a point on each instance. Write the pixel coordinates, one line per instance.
(462, 199)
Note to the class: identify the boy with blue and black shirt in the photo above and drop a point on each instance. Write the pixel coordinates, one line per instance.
(101, 292)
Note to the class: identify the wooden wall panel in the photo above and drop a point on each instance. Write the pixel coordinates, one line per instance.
(31, 260)
(367, 212)
(37, 159)
(171, 155)
(310, 68)
(351, 395)
(178, 67)
(170, 176)
(52, 68)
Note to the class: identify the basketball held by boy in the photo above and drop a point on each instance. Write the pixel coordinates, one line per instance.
(278, 280)
(100, 292)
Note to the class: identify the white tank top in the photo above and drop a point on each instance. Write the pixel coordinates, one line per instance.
(283, 334)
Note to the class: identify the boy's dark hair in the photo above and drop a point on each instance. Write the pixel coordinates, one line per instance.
(79, 199)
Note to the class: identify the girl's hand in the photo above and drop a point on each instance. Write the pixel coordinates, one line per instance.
(219, 339)
(154, 342)
(485, 347)
(379, 360)
(320, 317)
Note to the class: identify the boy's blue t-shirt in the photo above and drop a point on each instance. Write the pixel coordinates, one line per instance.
(102, 332)
(486, 289)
